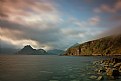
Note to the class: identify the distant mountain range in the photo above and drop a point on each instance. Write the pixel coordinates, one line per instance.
(110, 45)
(55, 52)
(28, 50)
(106, 46)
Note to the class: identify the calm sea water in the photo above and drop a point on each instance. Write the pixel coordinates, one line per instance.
(45, 68)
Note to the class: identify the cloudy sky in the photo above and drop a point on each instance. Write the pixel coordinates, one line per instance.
(51, 24)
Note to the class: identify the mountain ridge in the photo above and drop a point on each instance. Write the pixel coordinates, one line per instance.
(28, 50)
(110, 45)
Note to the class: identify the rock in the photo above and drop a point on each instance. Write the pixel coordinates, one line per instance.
(101, 70)
(106, 66)
(100, 78)
(116, 60)
(111, 65)
(117, 65)
(93, 77)
(115, 73)
(96, 70)
(109, 72)
(120, 70)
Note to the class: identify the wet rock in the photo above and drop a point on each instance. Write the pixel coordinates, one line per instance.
(106, 66)
(115, 73)
(100, 78)
(117, 65)
(120, 70)
(93, 77)
(96, 70)
(101, 70)
(110, 67)
(109, 72)
(116, 60)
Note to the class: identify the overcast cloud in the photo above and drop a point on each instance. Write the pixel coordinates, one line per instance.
(56, 24)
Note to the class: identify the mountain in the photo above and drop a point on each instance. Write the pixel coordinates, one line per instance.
(28, 50)
(55, 52)
(106, 46)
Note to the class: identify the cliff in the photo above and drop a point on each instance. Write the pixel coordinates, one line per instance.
(28, 50)
(110, 45)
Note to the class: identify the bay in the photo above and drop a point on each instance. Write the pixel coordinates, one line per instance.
(45, 67)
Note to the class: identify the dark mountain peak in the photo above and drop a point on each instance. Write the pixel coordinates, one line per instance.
(28, 50)
(27, 47)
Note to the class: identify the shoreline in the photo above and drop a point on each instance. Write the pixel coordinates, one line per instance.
(109, 69)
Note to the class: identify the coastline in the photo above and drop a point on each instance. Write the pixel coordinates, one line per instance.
(109, 69)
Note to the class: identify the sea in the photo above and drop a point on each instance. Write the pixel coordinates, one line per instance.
(47, 68)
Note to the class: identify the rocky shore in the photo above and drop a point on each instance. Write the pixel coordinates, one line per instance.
(109, 69)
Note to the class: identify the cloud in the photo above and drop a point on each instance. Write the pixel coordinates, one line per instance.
(110, 9)
(93, 21)
(28, 11)
(29, 22)
(18, 34)
(116, 18)
(41, 24)
(112, 31)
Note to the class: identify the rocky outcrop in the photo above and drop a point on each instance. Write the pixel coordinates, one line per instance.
(105, 46)
(110, 68)
(28, 50)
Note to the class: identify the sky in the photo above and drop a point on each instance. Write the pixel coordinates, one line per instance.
(57, 24)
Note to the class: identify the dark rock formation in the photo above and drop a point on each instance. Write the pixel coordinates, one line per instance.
(111, 67)
(28, 50)
(105, 46)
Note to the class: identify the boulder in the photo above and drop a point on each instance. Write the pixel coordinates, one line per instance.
(101, 70)
(115, 73)
(93, 77)
(120, 70)
(100, 78)
(109, 72)
(116, 60)
(117, 65)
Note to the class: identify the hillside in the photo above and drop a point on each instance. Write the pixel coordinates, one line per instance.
(110, 45)
(28, 50)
